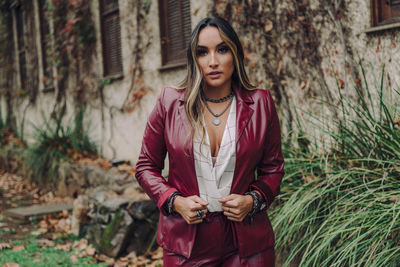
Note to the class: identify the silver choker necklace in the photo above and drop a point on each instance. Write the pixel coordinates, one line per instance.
(216, 121)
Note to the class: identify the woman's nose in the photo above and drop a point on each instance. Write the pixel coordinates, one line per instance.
(213, 60)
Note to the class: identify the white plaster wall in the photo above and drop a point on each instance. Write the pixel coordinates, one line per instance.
(119, 134)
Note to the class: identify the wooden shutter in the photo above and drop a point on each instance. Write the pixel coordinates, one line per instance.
(21, 31)
(111, 37)
(175, 28)
(45, 45)
(385, 11)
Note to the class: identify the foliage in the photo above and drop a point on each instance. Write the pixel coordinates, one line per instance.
(56, 143)
(341, 207)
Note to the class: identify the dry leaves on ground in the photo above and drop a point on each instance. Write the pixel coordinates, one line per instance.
(10, 264)
(4, 246)
(18, 248)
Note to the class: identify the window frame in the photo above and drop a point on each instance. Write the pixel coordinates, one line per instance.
(106, 11)
(381, 14)
(168, 59)
(21, 47)
(45, 45)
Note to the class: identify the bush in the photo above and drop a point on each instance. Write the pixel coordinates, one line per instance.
(342, 207)
(54, 144)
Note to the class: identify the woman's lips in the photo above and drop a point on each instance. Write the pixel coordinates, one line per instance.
(214, 74)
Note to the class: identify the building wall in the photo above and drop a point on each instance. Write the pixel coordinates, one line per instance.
(303, 51)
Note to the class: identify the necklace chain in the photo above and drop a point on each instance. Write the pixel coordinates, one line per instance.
(219, 100)
(216, 121)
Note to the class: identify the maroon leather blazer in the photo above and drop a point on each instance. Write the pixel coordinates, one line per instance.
(259, 165)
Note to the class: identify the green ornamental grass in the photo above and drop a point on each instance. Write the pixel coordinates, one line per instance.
(341, 206)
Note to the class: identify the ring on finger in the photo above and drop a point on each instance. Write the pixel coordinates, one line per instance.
(200, 213)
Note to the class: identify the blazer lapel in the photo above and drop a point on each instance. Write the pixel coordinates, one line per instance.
(243, 116)
(243, 110)
(188, 144)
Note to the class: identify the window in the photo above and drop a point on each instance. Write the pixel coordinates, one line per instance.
(46, 46)
(111, 37)
(21, 32)
(385, 11)
(175, 29)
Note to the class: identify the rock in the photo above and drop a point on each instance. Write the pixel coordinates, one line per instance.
(111, 238)
(79, 214)
(119, 225)
(74, 180)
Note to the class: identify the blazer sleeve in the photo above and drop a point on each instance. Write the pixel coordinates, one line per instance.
(152, 156)
(270, 169)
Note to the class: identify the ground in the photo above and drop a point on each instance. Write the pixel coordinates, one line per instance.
(48, 241)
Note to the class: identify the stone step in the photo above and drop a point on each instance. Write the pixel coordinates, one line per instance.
(37, 211)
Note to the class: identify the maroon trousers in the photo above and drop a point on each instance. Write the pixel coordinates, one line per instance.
(214, 246)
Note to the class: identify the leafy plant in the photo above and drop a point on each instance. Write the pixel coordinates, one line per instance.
(56, 143)
(341, 206)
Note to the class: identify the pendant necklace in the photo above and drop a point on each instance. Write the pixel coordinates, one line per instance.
(216, 121)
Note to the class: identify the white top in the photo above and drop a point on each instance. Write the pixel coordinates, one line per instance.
(215, 178)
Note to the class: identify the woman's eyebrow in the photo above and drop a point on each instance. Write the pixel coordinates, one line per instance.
(221, 43)
(205, 47)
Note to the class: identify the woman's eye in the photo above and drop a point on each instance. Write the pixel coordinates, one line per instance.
(201, 52)
(223, 49)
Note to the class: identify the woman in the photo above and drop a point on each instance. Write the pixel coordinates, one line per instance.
(220, 133)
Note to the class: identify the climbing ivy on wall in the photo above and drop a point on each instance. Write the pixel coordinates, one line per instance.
(283, 39)
(74, 36)
(6, 56)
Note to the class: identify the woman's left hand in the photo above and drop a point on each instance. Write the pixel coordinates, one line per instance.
(236, 207)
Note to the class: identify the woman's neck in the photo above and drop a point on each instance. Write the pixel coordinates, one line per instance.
(217, 92)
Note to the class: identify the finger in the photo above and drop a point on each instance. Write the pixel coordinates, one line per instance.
(205, 211)
(227, 198)
(199, 200)
(229, 210)
(195, 218)
(230, 204)
(196, 206)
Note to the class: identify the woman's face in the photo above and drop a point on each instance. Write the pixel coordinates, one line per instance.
(214, 58)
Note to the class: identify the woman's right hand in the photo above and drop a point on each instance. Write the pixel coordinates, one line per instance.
(187, 207)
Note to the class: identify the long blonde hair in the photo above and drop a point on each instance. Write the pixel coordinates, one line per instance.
(193, 81)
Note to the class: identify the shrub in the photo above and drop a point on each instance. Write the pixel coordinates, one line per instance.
(54, 144)
(342, 207)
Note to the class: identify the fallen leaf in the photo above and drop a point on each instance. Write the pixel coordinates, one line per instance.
(90, 251)
(4, 246)
(80, 245)
(120, 263)
(65, 247)
(43, 243)
(157, 254)
(73, 258)
(18, 248)
(10, 264)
